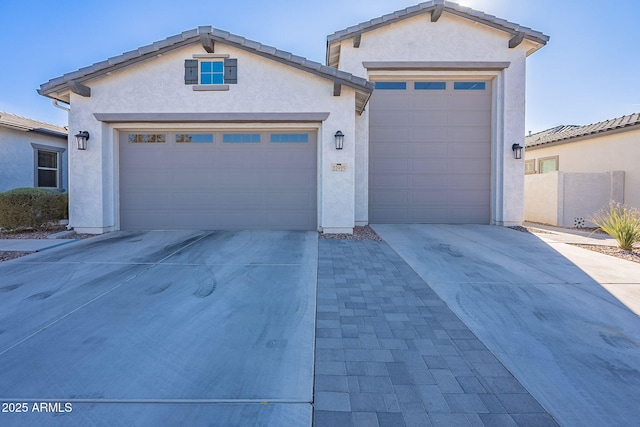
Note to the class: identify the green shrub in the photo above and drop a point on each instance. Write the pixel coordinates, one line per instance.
(620, 222)
(31, 207)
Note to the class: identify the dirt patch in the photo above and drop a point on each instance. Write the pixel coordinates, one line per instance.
(359, 233)
(6, 256)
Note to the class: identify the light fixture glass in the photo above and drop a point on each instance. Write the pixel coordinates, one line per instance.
(339, 140)
(81, 139)
(517, 151)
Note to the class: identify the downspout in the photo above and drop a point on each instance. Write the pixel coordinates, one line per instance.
(55, 104)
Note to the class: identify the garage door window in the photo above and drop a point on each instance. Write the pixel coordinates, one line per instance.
(290, 137)
(391, 85)
(185, 138)
(241, 137)
(469, 86)
(430, 85)
(147, 138)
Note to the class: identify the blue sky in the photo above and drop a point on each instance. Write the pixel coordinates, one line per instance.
(588, 72)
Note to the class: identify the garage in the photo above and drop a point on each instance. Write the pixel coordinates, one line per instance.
(222, 180)
(430, 152)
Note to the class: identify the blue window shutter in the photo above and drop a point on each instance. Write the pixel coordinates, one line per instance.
(230, 71)
(191, 71)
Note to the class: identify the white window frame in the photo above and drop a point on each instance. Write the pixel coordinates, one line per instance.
(209, 57)
(51, 149)
(531, 170)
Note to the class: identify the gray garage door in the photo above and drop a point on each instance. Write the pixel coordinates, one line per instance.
(430, 152)
(218, 180)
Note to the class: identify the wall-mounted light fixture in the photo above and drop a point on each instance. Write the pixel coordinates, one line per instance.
(339, 140)
(81, 139)
(517, 151)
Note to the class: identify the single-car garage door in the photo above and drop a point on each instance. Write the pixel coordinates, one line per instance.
(430, 152)
(218, 180)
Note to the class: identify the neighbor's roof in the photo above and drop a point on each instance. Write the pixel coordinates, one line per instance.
(435, 8)
(29, 125)
(562, 134)
(55, 88)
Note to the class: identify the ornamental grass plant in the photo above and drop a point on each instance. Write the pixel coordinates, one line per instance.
(620, 222)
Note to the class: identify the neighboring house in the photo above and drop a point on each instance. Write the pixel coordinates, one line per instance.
(32, 154)
(209, 130)
(574, 171)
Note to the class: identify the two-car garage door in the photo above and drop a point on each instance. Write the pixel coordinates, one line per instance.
(430, 152)
(218, 180)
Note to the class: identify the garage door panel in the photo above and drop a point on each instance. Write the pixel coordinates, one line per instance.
(469, 118)
(390, 134)
(146, 178)
(432, 118)
(398, 118)
(428, 165)
(477, 134)
(389, 181)
(448, 177)
(391, 165)
(218, 185)
(418, 133)
(390, 198)
(390, 150)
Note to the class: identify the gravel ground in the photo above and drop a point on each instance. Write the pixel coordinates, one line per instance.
(359, 233)
(35, 234)
(616, 252)
(607, 250)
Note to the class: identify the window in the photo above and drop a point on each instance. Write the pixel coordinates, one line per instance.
(290, 137)
(185, 138)
(211, 72)
(241, 137)
(47, 166)
(430, 86)
(391, 85)
(548, 164)
(147, 138)
(529, 167)
(469, 85)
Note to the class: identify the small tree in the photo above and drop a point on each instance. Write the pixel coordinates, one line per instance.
(620, 222)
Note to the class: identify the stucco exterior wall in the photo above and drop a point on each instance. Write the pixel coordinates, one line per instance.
(17, 157)
(157, 86)
(570, 199)
(609, 153)
(452, 38)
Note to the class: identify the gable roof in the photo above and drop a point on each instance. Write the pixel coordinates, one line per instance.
(29, 125)
(58, 88)
(563, 134)
(435, 8)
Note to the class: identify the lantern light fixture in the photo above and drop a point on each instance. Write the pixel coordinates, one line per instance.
(81, 139)
(339, 140)
(517, 151)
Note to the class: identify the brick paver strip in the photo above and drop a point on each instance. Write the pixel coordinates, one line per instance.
(389, 352)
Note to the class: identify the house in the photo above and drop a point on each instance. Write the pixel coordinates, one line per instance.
(574, 171)
(411, 120)
(32, 154)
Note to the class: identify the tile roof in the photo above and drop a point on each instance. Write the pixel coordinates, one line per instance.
(569, 132)
(427, 7)
(195, 36)
(29, 125)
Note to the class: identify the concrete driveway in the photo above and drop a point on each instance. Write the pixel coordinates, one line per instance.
(545, 309)
(162, 328)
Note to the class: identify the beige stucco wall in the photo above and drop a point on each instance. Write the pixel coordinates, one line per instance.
(570, 199)
(609, 153)
(452, 38)
(157, 86)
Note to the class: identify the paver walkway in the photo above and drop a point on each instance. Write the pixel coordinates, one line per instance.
(389, 352)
